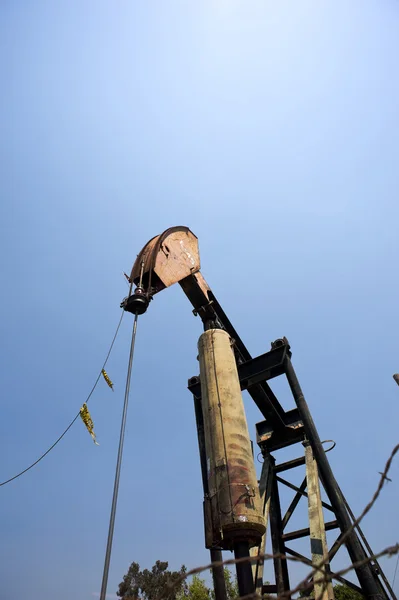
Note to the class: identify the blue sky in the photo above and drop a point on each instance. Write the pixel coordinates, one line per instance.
(271, 130)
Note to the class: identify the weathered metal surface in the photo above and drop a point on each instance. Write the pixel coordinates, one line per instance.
(306, 561)
(271, 439)
(301, 492)
(269, 589)
(252, 375)
(219, 582)
(276, 530)
(301, 533)
(295, 501)
(168, 258)
(245, 579)
(262, 368)
(318, 541)
(232, 482)
(265, 488)
(195, 289)
(145, 259)
(335, 547)
(253, 371)
(290, 464)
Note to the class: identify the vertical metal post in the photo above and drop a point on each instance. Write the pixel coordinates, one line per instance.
(318, 541)
(219, 583)
(368, 581)
(276, 530)
(245, 579)
(265, 493)
(118, 466)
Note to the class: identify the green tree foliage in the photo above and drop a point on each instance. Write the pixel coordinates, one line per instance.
(231, 585)
(344, 592)
(148, 585)
(341, 592)
(196, 589)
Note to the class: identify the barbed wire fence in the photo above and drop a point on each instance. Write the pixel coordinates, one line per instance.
(306, 583)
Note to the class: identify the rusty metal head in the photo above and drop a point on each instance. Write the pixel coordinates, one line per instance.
(167, 259)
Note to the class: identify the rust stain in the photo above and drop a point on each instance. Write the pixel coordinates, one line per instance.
(168, 258)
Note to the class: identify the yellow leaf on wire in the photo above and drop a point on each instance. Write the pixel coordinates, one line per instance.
(88, 421)
(107, 379)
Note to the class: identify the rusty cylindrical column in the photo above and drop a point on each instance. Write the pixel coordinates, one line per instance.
(234, 506)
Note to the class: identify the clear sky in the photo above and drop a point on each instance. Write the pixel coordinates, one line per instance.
(271, 130)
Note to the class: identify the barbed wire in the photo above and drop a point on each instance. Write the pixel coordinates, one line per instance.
(374, 498)
(357, 521)
(307, 582)
(302, 586)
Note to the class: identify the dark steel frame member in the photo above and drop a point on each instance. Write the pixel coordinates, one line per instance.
(245, 578)
(265, 367)
(276, 530)
(368, 581)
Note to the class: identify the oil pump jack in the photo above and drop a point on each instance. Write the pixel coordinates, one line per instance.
(238, 509)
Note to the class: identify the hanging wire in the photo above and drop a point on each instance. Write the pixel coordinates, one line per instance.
(75, 418)
(118, 467)
(111, 526)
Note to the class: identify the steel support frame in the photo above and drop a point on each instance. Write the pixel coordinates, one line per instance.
(368, 580)
(254, 374)
(339, 578)
(276, 531)
(292, 535)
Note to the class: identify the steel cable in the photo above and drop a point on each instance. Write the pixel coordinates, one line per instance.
(74, 419)
(118, 466)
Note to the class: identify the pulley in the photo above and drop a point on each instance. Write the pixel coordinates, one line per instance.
(137, 303)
